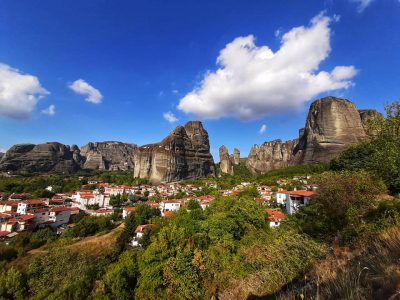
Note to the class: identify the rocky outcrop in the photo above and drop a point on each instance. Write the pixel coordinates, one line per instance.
(183, 154)
(1, 155)
(236, 156)
(367, 115)
(271, 155)
(225, 162)
(49, 157)
(108, 156)
(332, 125)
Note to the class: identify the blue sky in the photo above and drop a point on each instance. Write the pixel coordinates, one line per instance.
(80, 71)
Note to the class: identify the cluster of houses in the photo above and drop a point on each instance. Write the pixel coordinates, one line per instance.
(19, 213)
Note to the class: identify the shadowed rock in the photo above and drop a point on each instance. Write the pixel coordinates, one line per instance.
(49, 157)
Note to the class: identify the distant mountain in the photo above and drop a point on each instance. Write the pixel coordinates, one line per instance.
(183, 154)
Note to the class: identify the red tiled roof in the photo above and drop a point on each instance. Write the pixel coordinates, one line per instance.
(26, 217)
(130, 209)
(140, 228)
(4, 233)
(167, 214)
(275, 215)
(58, 209)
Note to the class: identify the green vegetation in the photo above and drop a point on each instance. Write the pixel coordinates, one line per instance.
(380, 155)
(89, 226)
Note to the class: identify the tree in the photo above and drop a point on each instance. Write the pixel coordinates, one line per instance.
(41, 237)
(381, 153)
(121, 277)
(12, 284)
(193, 204)
(140, 216)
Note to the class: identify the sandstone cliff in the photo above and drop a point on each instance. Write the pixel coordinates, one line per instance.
(332, 125)
(270, 155)
(183, 154)
(225, 162)
(108, 156)
(236, 156)
(49, 157)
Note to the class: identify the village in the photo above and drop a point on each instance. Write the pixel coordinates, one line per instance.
(19, 212)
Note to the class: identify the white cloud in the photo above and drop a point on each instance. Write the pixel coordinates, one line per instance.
(19, 93)
(50, 111)
(175, 92)
(262, 129)
(362, 4)
(253, 81)
(81, 87)
(277, 32)
(170, 117)
(2, 150)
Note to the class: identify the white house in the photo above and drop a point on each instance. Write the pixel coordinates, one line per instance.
(296, 199)
(139, 232)
(59, 216)
(89, 197)
(275, 217)
(169, 205)
(127, 211)
(25, 205)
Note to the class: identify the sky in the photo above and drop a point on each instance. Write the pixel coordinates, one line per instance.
(95, 70)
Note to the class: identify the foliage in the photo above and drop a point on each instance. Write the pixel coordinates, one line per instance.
(381, 153)
(41, 237)
(142, 215)
(343, 202)
(62, 274)
(193, 204)
(88, 226)
(12, 285)
(120, 277)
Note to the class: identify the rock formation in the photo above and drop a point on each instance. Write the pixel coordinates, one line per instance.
(367, 115)
(332, 125)
(225, 162)
(236, 156)
(108, 156)
(270, 155)
(183, 154)
(1, 155)
(49, 157)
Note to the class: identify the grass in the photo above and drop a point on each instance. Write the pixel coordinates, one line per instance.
(371, 271)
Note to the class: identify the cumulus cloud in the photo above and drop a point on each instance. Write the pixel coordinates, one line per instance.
(19, 93)
(170, 117)
(50, 111)
(92, 94)
(253, 81)
(362, 4)
(262, 129)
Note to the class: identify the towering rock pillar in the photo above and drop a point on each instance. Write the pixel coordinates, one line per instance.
(332, 125)
(225, 161)
(236, 156)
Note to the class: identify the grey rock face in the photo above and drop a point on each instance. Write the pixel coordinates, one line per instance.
(271, 155)
(332, 125)
(367, 115)
(183, 154)
(1, 155)
(108, 156)
(225, 162)
(236, 156)
(49, 157)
